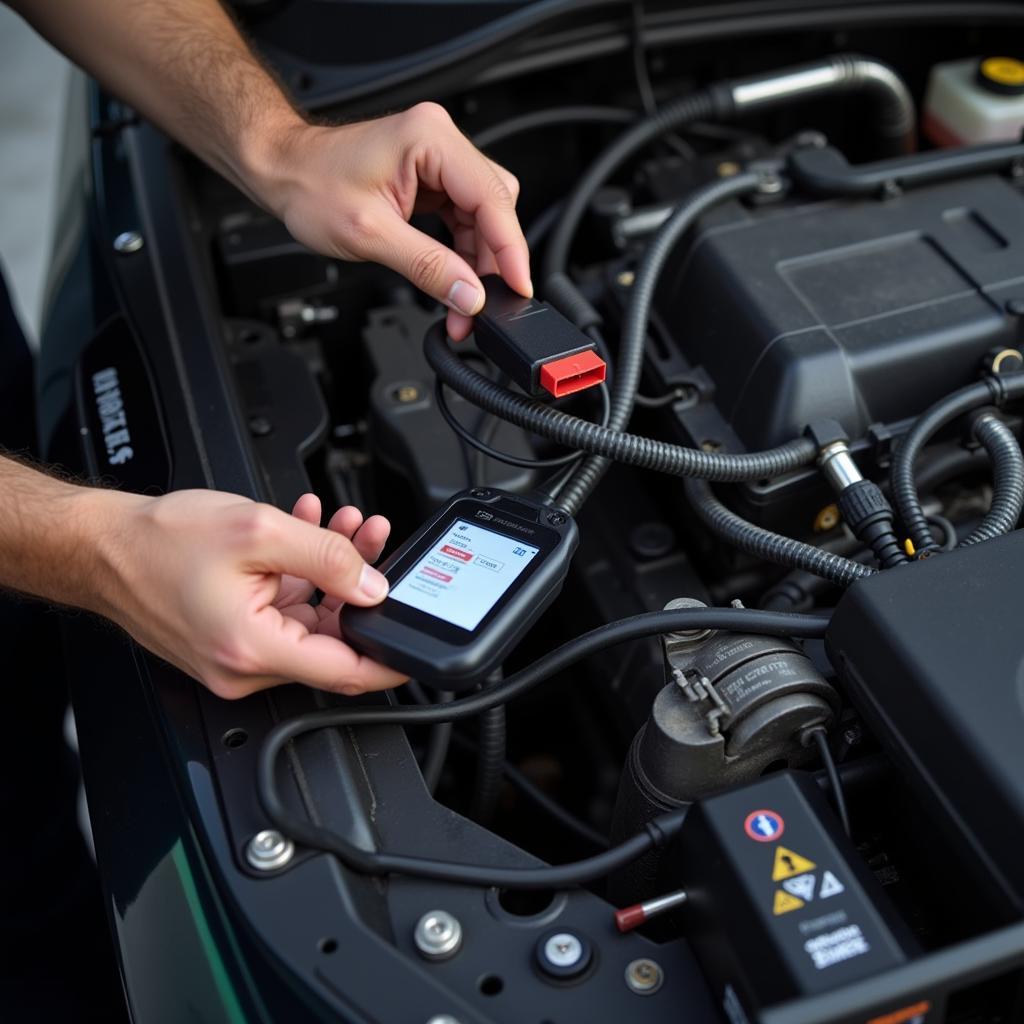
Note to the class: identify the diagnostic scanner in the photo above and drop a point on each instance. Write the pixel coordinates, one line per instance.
(466, 587)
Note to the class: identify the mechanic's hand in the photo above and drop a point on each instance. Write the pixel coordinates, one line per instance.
(349, 191)
(217, 585)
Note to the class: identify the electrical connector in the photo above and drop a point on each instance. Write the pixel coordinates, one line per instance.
(534, 345)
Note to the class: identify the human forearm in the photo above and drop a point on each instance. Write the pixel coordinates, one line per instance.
(346, 191)
(185, 66)
(52, 536)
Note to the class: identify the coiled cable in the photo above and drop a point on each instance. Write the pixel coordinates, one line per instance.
(772, 547)
(1007, 477)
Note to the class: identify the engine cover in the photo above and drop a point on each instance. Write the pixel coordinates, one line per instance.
(933, 655)
(864, 311)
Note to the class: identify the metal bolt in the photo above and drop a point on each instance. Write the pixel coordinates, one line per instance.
(563, 950)
(438, 935)
(407, 393)
(269, 850)
(769, 184)
(556, 518)
(260, 426)
(625, 278)
(685, 637)
(644, 977)
(128, 242)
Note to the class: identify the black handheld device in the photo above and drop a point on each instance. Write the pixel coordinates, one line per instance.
(466, 587)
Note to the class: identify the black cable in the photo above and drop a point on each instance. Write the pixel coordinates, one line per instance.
(655, 834)
(1007, 479)
(438, 743)
(573, 432)
(490, 762)
(946, 528)
(835, 783)
(629, 365)
(493, 453)
(640, 70)
(521, 781)
(993, 390)
(659, 401)
(772, 547)
(552, 117)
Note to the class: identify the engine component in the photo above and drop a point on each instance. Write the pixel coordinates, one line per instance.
(908, 644)
(735, 705)
(972, 100)
(778, 903)
(862, 310)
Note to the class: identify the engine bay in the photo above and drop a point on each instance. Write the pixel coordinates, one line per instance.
(760, 758)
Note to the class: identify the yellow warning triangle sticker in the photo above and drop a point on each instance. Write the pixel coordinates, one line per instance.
(785, 902)
(788, 864)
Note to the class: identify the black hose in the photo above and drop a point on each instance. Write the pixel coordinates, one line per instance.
(820, 738)
(773, 547)
(438, 741)
(993, 390)
(574, 432)
(552, 117)
(629, 364)
(713, 103)
(1007, 477)
(837, 74)
(551, 807)
(656, 833)
(490, 761)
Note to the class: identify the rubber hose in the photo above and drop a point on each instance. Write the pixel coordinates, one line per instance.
(490, 764)
(1007, 476)
(630, 362)
(573, 432)
(772, 547)
(709, 103)
(840, 73)
(993, 390)
(438, 742)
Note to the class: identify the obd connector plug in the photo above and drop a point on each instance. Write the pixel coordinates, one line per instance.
(534, 345)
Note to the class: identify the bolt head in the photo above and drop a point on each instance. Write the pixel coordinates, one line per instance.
(260, 426)
(128, 242)
(563, 955)
(269, 850)
(407, 393)
(556, 518)
(438, 935)
(644, 977)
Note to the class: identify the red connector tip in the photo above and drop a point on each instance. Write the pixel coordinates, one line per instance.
(630, 917)
(574, 373)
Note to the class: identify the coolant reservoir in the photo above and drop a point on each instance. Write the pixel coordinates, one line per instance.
(975, 100)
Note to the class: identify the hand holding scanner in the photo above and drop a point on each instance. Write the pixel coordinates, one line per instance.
(466, 587)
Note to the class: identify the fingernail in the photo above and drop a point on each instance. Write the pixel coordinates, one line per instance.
(464, 298)
(529, 289)
(372, 583)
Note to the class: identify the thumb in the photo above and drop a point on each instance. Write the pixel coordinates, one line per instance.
(429, 265)
(325, 558)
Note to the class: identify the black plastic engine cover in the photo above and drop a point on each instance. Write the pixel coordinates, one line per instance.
(864, 311)
(933, 656)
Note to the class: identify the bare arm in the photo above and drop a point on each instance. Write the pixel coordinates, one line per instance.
(347, 191)
(215, 584)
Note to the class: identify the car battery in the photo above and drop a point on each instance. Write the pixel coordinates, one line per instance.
(779, 905)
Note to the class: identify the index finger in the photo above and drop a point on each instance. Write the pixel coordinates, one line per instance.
(485, 190)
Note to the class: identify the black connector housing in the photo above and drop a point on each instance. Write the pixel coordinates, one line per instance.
(534, 345)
